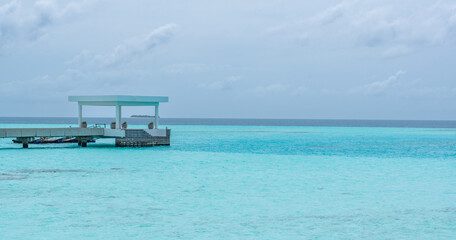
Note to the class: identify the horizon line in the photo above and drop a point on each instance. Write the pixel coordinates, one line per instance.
(232, 118)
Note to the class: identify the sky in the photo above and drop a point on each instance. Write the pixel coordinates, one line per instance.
(327, 59)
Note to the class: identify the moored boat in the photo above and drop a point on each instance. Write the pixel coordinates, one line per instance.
(53, 140)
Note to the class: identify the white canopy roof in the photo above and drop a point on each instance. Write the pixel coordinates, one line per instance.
(114, 100)
(118, 101)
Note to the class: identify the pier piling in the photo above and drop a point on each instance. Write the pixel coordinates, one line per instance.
(24, 140)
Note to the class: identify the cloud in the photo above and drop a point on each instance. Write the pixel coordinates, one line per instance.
(279, 88)
(333, 13)
(111, 71)
(49, 87)
(19, 21)
(396, 85)
(299, 90)
(225, 84)
(9, 8)
(185, 68)
(277, 30)
(272, 88)
(396, 51)
(395, 28)
(129, 51)
(380, 87)
(393, 25)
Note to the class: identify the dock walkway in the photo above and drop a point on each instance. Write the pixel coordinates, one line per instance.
(124, 137)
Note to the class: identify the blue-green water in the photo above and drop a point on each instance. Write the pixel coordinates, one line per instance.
(236, 182)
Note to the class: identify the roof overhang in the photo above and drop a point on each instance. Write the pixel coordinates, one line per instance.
(122, 100)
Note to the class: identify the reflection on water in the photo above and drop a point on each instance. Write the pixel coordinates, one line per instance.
(9, 176)
(51, 171)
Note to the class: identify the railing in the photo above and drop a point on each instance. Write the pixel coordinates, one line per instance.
(98, 125)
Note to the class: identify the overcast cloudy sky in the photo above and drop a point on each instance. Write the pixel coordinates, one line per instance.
(378, 59)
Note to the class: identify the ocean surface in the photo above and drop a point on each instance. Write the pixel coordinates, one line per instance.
(236, 179)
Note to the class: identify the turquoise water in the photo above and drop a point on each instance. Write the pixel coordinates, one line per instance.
(236, 182)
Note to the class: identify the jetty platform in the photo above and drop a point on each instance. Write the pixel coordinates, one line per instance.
(151, 136)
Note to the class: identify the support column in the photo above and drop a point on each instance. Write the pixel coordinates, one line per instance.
(156, 116)
(79, 115)
(118, 116)
(82, 141)
(25, 141)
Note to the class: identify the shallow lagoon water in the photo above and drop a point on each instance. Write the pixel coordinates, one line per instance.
(236, 182)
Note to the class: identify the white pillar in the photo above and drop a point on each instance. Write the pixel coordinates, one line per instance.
(79, 115)
(118, 116)
(156, 116)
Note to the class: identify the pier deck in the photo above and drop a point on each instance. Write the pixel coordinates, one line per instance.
(61, 132)
(124, 137)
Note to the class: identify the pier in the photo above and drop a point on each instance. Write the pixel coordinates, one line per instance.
(151, 136)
